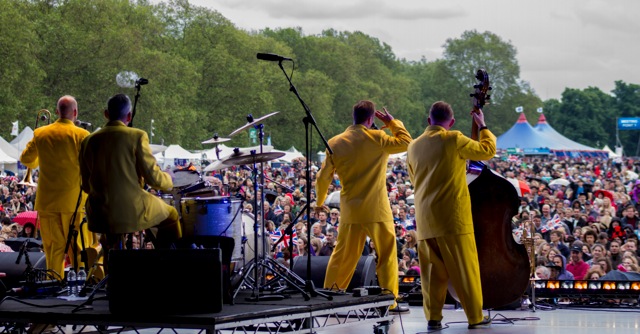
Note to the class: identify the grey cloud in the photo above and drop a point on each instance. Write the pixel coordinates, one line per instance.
(319, 10)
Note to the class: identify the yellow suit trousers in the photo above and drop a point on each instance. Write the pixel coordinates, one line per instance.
(450, 258)
(54, 229)
(345, 257)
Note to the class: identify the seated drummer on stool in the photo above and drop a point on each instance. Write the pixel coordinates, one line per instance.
(115, 163)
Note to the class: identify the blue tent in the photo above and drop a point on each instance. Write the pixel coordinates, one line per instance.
(542, 139)
(522, 135)
(546, 129)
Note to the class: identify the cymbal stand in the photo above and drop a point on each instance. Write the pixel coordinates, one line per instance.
(308, 120)
(263, 261)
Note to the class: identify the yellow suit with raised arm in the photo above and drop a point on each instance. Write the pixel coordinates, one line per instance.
(444, 225)
(54, 148)
(360, 157)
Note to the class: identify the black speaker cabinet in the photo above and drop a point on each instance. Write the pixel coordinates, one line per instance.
(165, 281)
(15, 272)
(365, 273)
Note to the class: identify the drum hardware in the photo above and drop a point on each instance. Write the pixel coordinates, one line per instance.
(261, 266)
(245, 158)
(216, 140)
(252, 122)
(195, 187)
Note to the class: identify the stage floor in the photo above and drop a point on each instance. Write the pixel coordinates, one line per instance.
(568, 320)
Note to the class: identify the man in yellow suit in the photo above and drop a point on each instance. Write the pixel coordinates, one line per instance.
(360, 157)
(447, 246)
(115, 163)
(54, 148)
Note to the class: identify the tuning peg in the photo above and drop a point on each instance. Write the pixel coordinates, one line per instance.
(488, 97)
(477, 86)
(490, 88)
(472, 95)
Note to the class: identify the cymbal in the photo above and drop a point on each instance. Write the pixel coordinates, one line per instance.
(216, 140)
(248, 158)
(251, 123)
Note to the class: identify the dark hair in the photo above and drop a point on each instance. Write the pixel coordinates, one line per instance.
(362, 111)
(118, 106)
(591, 233)
(440, 112)
(558, 233)
(334, 231)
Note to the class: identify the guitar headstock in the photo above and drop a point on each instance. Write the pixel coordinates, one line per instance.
(480, 96)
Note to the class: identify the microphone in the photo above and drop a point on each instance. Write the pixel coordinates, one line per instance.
(142, 81)
(82, 124)
(271, 57)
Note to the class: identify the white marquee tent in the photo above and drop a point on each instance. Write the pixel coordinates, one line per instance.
(168, 157)
(20, 142)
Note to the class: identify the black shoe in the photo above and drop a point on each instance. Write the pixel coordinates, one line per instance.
(434, 324)
(399, 309)
(485, 323)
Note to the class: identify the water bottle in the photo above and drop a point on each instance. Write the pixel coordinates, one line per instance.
(81, 279)
(71, 282)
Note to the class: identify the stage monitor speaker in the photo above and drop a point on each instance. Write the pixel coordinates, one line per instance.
(365, 273)
(227, 245)
(167, 281)
(15, 272)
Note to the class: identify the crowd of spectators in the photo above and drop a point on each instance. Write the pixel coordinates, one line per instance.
(585, 211)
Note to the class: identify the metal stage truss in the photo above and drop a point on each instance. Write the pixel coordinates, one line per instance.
(292, 315)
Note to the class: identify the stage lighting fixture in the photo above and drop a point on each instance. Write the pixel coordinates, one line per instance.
(582, 288)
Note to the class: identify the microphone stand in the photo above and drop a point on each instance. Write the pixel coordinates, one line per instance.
(308, 120)
(135, 102)
(24, 252)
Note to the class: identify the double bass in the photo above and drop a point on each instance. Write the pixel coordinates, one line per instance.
(504, 263)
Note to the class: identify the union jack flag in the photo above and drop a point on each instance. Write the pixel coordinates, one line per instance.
(552, 224)
(276, 235)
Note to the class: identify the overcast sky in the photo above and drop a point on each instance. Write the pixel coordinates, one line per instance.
(560, 43)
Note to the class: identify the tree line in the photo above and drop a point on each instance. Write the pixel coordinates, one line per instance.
(204, 78)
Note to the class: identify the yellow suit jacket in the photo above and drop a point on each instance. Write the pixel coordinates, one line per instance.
(55, 149)
(115, 163)
(360, 157)
(437, 167)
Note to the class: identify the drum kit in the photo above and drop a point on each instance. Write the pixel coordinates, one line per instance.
(210, 212)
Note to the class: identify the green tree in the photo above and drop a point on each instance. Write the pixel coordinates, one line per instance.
(20, 73)
(627, 104)
(583, 115)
